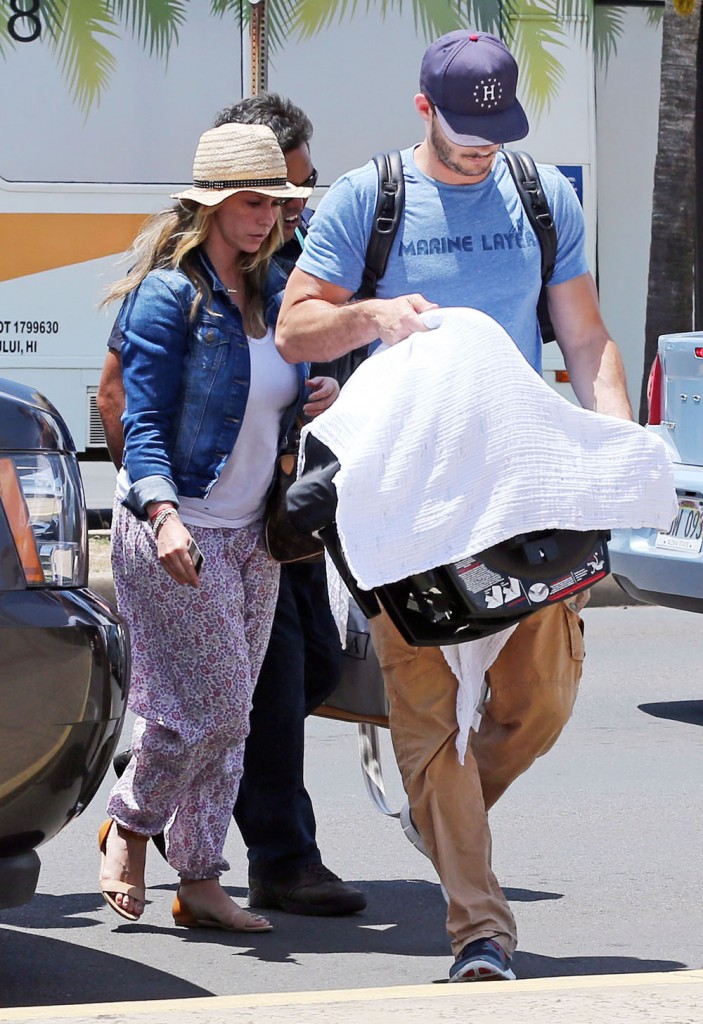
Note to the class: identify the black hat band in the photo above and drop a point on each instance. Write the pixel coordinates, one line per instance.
(246, 183)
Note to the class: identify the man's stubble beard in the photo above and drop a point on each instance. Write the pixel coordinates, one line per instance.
(444, 154)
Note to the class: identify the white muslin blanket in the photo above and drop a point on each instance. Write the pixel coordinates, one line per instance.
(450, 442)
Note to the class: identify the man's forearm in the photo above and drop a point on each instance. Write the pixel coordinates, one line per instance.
(317, 323)
(111, 403)
(110, 413)
(598, 378)
(317, 331)
(592, 358)
(115, 446)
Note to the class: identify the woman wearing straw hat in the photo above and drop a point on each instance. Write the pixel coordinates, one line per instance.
(208, 399)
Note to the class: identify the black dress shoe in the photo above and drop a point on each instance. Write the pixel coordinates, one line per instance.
(119, 763)
(312, 890)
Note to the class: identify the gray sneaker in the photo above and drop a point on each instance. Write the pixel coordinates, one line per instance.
(482, 960)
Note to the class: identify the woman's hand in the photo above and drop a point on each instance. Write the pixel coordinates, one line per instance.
(172, 547)
(323, 392)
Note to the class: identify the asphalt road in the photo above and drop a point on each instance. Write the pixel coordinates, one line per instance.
(598, 848)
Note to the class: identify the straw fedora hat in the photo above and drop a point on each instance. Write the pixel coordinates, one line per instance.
(239, 158)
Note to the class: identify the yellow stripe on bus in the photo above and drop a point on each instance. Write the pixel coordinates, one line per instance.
(35, 242)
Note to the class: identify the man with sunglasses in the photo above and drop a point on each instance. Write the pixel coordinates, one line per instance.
(293, 129)
(274, 812)
(463, 241)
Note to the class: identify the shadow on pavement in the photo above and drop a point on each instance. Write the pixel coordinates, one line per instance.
(46, 911)
(532, 965)
(405, 918)
(39, 971)
(689, 712)
(530, 895)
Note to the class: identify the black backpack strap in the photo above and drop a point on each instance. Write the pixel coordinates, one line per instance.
(527, 181)
(390, 201)
(386, 219)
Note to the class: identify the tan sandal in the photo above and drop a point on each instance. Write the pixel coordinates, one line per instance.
(188, 919)
(111, 886)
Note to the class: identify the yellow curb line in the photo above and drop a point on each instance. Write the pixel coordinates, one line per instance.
(370, 995)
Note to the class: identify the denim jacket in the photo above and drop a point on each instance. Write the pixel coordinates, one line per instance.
(187, 383)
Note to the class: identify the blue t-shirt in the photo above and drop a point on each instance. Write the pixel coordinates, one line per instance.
(458, 245)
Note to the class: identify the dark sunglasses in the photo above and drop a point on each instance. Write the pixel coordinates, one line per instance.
(308, 183)
(311, 181)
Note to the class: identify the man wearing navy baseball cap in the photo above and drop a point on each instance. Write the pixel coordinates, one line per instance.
(471, 80)
(464, 240)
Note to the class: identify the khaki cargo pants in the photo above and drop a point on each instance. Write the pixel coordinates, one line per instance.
(534, 682)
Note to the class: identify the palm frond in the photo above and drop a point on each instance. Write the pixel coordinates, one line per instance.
(235, 7)
(533, 35)
(313, 16)
(604, 31)
(46, 16)
(580, 15)
(279, 17)
(431, 17)
(532, 40)
(486, 15)
(7, 43)
(52, 12)
(655, 15)
(155, 23)
(609, 27)
(85, 62)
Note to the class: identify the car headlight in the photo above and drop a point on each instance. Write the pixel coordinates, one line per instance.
(43, 499)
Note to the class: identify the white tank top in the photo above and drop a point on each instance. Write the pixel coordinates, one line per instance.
(237, 497)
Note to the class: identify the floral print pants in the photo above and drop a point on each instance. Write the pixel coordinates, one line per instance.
(196, 654)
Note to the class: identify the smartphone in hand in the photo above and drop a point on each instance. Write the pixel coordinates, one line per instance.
(196, 554)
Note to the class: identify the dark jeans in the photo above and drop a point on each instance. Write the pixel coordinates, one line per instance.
(302, 666)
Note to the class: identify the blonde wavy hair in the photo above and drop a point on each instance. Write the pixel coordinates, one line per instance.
(169, 240)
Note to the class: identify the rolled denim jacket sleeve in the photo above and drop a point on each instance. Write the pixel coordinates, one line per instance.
(154, 325)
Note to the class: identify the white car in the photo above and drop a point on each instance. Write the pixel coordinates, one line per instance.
(666, 567)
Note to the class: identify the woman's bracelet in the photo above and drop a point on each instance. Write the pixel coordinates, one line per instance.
(161, 516)
(158, 507)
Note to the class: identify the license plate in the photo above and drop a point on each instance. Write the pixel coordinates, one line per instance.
(686, 531)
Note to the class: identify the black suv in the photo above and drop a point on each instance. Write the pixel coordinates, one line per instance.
(64, 653)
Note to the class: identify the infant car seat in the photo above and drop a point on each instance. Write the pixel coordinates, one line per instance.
(465, 600)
